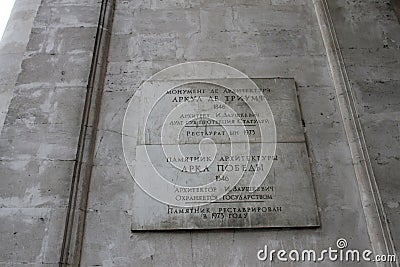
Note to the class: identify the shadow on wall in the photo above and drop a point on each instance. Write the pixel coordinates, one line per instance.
(396, 7)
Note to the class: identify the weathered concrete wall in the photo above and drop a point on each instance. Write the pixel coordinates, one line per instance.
(262, 39)
(396, 7)
(39, 137)
(12, 48)
(369, 38)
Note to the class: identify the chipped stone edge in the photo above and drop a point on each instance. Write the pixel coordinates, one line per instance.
(75, 220)
(378, 228)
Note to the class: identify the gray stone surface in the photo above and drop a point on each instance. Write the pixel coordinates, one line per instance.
(44, 82)
(262, 39)
(370, 43)
(12, 48)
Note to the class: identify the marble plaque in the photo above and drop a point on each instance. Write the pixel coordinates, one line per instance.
(223, 153)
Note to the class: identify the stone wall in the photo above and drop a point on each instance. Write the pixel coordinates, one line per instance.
(369, 38)
(12, 48)
(41, 130)
(261, 39)
(62, 118)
